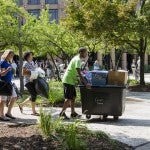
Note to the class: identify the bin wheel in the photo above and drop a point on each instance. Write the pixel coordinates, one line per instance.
(116, 117)
(88, 116)
(105, 117)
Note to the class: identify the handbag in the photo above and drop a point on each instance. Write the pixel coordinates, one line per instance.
(42, 87)
(5, 88)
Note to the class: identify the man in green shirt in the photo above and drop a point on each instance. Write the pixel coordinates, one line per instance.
(69, 81)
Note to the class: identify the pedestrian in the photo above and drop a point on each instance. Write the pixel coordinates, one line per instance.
(96, 65)
(133, 67)
(14, 66)
(138, 68)
(69, 81)
(28, 67)
(48, 67)
(6, 75)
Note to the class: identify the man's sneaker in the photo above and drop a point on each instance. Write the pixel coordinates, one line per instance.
(75, 115)
(63, 116)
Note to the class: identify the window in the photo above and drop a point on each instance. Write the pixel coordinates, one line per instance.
(53, 15)
(20, 2)
(33, 2)
(51, 1)
(34, 12)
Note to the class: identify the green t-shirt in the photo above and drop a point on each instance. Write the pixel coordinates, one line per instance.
(70, 76)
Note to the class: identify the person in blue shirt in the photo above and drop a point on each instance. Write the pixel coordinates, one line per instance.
(6, 75)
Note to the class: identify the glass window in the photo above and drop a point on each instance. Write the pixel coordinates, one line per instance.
(33, 2)
(53, 15)
(20, 2)
(51, 1)
(34, 12)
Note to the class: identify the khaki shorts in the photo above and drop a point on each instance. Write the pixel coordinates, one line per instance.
(4, 98)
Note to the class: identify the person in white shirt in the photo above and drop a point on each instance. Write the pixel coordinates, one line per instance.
(138, 68)
(14, 66)
(133, 67)
(96, 65)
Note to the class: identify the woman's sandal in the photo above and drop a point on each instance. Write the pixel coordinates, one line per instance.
(4, 119)
(36, 114)
(21, 109)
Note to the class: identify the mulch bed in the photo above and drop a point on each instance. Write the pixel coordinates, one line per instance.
(29, 137)
(139, 88)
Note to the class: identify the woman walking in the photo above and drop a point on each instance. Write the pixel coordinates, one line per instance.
(28, 67)
(6, 75)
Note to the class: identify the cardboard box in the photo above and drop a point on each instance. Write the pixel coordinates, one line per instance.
(118, 77)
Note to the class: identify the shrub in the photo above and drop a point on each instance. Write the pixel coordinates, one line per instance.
(132, 82)
(56, 92)
(48, 124)
(72, 137)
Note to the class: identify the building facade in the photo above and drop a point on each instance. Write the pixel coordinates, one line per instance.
(34, 7)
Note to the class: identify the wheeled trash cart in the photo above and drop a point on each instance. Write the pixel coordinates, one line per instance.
(106, 100)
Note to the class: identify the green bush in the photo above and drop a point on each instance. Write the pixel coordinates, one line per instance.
(133, 82)
(72, 137)
(57, 94)
(48, 124)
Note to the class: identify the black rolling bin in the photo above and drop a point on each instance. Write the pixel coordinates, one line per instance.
(105, 100)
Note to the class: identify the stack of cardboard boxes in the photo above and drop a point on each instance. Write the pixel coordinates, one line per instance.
(111, 77)
(117, 77)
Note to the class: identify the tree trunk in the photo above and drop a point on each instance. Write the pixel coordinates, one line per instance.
(57, 70)
(142, 58)
(20, 57)
(20, 69)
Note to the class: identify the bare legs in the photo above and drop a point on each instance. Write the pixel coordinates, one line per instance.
(67, 103)
(8, 113)
(2, 103)
(10, 105)
(21, 105)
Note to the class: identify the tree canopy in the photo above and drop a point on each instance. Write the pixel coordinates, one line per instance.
(117, 23)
